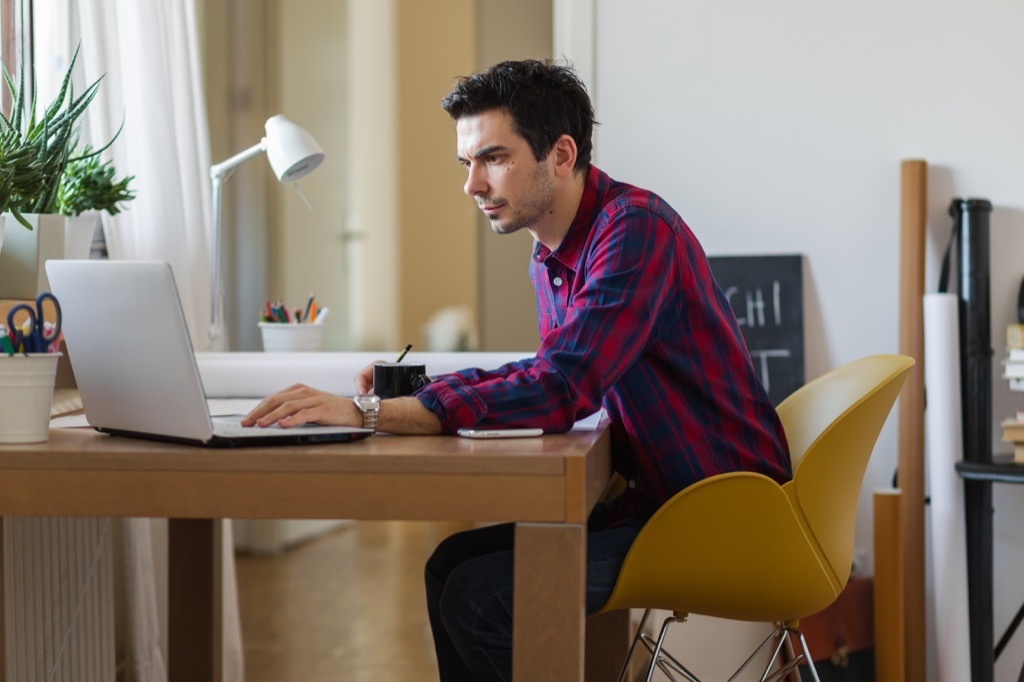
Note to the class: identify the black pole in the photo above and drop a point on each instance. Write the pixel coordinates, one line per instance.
(975, 325)
(971, 223)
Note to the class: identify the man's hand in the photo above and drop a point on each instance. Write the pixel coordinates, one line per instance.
(300, 404)
(364, 380)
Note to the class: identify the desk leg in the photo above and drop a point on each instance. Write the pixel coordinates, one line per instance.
(608, 637)
(549, 602)
(978, 514)
(194, 603)
(3, 603)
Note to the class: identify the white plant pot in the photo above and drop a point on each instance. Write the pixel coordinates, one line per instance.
(78, 234)
(25, 252)
(31, 378)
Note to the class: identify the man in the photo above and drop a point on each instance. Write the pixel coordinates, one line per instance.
(631, 320)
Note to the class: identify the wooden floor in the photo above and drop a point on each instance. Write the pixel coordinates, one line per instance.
(347, 606)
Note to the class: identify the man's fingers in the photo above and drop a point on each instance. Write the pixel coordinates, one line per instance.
(279, 405)
(364, 380)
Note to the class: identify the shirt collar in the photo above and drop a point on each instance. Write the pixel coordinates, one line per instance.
(568, 251)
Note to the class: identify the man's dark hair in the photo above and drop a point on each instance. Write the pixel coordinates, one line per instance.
(545, 101)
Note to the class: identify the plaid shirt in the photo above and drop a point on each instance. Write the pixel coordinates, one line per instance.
(631, 319)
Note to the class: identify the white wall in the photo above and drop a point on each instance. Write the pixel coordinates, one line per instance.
(779, 127)
(311, 86)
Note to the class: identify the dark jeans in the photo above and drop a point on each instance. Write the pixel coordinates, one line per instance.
(469, 595)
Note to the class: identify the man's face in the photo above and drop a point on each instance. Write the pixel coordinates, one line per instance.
(510, 186)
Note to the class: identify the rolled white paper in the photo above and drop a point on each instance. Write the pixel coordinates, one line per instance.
(256, 375)
(944, 447)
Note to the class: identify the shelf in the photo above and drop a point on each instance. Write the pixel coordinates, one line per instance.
(1002, 469)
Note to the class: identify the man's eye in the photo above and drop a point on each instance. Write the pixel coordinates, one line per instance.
(494, 158)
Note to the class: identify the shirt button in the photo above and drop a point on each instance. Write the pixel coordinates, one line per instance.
(631, 484)
(557, 281)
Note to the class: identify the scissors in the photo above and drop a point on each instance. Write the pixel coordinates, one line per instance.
(35, 332)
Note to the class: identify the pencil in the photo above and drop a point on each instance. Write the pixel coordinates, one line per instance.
(407, 349)
(309, 304)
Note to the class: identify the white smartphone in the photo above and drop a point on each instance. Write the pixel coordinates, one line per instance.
(500, 433)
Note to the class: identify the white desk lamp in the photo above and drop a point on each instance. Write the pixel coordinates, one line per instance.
(292, 153)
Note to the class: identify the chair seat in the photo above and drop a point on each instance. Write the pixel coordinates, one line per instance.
(767, 571)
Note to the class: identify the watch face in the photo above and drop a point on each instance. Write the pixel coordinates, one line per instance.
(367, 402)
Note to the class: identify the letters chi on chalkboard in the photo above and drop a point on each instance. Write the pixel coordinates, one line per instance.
(766, 295)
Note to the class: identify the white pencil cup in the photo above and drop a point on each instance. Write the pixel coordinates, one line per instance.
(282, 337)
(27, 383)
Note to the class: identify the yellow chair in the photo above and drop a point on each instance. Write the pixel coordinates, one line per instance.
(740, 546)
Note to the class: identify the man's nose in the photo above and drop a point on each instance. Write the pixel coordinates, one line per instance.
(475, 182)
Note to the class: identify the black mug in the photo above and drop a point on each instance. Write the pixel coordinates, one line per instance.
(395, 379)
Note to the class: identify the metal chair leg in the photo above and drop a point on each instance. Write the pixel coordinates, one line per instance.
(639, 632)
(793, 664)
(752, 656)
(807, 657)
(657, 649)
(664, 660)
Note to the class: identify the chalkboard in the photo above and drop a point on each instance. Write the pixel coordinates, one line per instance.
(766, 295)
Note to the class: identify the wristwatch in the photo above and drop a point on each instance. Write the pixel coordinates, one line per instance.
(369, 405)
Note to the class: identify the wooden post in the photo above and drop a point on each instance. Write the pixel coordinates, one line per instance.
(913, 219)
(890, 658)
(3, 603)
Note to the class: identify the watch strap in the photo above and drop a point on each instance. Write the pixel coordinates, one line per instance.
(370, 415)
(370, 407)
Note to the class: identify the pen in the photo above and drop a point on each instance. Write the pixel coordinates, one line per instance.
(321, 315)
(407, 349)
(309, 305)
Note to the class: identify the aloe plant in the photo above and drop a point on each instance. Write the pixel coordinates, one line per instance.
(34, 153)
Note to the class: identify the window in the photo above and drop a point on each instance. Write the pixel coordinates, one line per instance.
(52, 46)
(37, 33)
(8, 45)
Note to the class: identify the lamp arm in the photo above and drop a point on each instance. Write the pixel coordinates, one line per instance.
(215, 321)
(224, 168)
(219, 174)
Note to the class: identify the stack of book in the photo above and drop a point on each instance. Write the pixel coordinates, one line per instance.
(1013, 372)
(1013, 365)
(1013, 432)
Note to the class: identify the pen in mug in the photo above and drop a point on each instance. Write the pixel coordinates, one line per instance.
(407, 349)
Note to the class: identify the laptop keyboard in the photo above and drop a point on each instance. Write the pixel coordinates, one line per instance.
(229, 426)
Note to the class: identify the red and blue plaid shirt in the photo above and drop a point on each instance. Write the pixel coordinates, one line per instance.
(631, 319)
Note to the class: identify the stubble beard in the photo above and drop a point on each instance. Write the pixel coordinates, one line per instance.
(538, 202)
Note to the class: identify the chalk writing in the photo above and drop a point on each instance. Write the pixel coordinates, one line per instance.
(766, 296)
(755, 305)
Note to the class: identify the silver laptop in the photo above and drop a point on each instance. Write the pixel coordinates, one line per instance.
(133, 361)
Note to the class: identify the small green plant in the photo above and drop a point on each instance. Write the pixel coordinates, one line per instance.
(88, 184)
(35, 152)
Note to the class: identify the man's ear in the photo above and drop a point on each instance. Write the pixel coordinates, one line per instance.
(564, 153)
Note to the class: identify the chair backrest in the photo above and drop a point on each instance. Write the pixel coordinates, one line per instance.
(738, 545)
(832, 424)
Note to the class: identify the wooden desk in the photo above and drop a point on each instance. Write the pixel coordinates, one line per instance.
(547, 485)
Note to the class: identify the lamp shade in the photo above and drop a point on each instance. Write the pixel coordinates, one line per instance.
(292, 152)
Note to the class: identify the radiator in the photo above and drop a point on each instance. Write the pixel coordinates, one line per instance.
(58, 605)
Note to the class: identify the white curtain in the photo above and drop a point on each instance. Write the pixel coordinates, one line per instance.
(148, 55)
